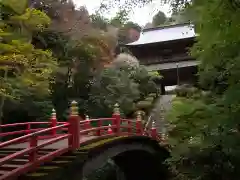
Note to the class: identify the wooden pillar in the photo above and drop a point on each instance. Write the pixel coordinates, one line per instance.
(54, 122)
(139, 126)
(117, 119)
(153, 130)
(74, 127)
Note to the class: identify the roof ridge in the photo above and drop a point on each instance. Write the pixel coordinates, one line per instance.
(166, 26)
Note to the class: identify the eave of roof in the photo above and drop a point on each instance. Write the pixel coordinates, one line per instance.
(165, 34)
(172, 65)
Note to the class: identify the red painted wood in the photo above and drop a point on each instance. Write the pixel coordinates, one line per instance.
(139, 127)
(154, 133)
(21, 124)
(118, 123)
(99, 132)
(16, 140)
(129, 127)
(74, 130)
(87, 124)
(33, 144)
(29, 166)
(60, 143)
(28, 128)
(31, 149)
(54, 124)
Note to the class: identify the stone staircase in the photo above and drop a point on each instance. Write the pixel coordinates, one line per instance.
(158, 114)
(50, 170)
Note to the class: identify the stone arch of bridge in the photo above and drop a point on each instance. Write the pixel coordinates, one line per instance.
(139, 158)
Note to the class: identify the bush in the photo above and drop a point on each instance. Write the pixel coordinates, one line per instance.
(144, 105)
(154, 95)
(185, 91)
(150, 99)
(112, 86)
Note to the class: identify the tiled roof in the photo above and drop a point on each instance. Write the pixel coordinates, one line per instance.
(163, 34)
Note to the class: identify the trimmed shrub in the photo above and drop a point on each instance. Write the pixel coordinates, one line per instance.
(154, 95)
(185, 91)
(150, 99)
(144, 105)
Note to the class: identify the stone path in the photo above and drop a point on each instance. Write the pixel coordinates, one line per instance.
(162, 106)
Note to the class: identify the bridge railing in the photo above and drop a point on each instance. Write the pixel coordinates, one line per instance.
(31, 127)
(77, 130)
(26, 128)
(31, 150)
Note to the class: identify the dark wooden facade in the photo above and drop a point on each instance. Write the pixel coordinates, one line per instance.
(163, 52)
(174, 51)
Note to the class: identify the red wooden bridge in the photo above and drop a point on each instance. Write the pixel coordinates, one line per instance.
(36, 146)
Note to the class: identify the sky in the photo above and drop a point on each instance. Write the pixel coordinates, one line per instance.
(138, 15)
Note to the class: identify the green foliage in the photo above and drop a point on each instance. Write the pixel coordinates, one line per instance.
(218, 54)
(185, 91)
(98, 21)
(112, 86)
(151, 99)
(17, 6)
(152, 95)
(146, 81)
(144, 105)
(30, 65)
(25, 70)
(205, 130)
(120, 19)
(159, 19)
(202, 138)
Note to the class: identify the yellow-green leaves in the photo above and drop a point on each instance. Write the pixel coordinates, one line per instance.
(32, 19)
(18, 6)
(29, 69)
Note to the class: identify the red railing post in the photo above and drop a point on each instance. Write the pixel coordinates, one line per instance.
(109, 131)
(54, 122)
(74, 127)
(153, 130)
(87, 124)
(129, 127)
(139, 128)
(28, 128)
(117, 119)
(32, 144)
(99, 124)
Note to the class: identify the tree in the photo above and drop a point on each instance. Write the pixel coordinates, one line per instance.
(120, 19)
(209, 147)
(129, 32)
(98, 21)
(65, 17)
(159, 19)
(24, 69)
(112, 86)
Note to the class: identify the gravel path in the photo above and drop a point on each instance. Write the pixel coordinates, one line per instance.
(162, 106)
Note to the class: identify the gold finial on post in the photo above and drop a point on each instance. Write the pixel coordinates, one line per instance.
(139, 116)
(153, 124)
(53, 113)
(87, 117)
(116, 109)
(74, 108)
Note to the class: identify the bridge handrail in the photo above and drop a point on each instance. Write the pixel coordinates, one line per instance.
(33, 159)
(32, 149)
(74, 135)
(35, 134)
(28, 129)
(22, 124)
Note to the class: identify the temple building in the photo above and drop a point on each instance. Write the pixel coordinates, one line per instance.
(166, 49)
